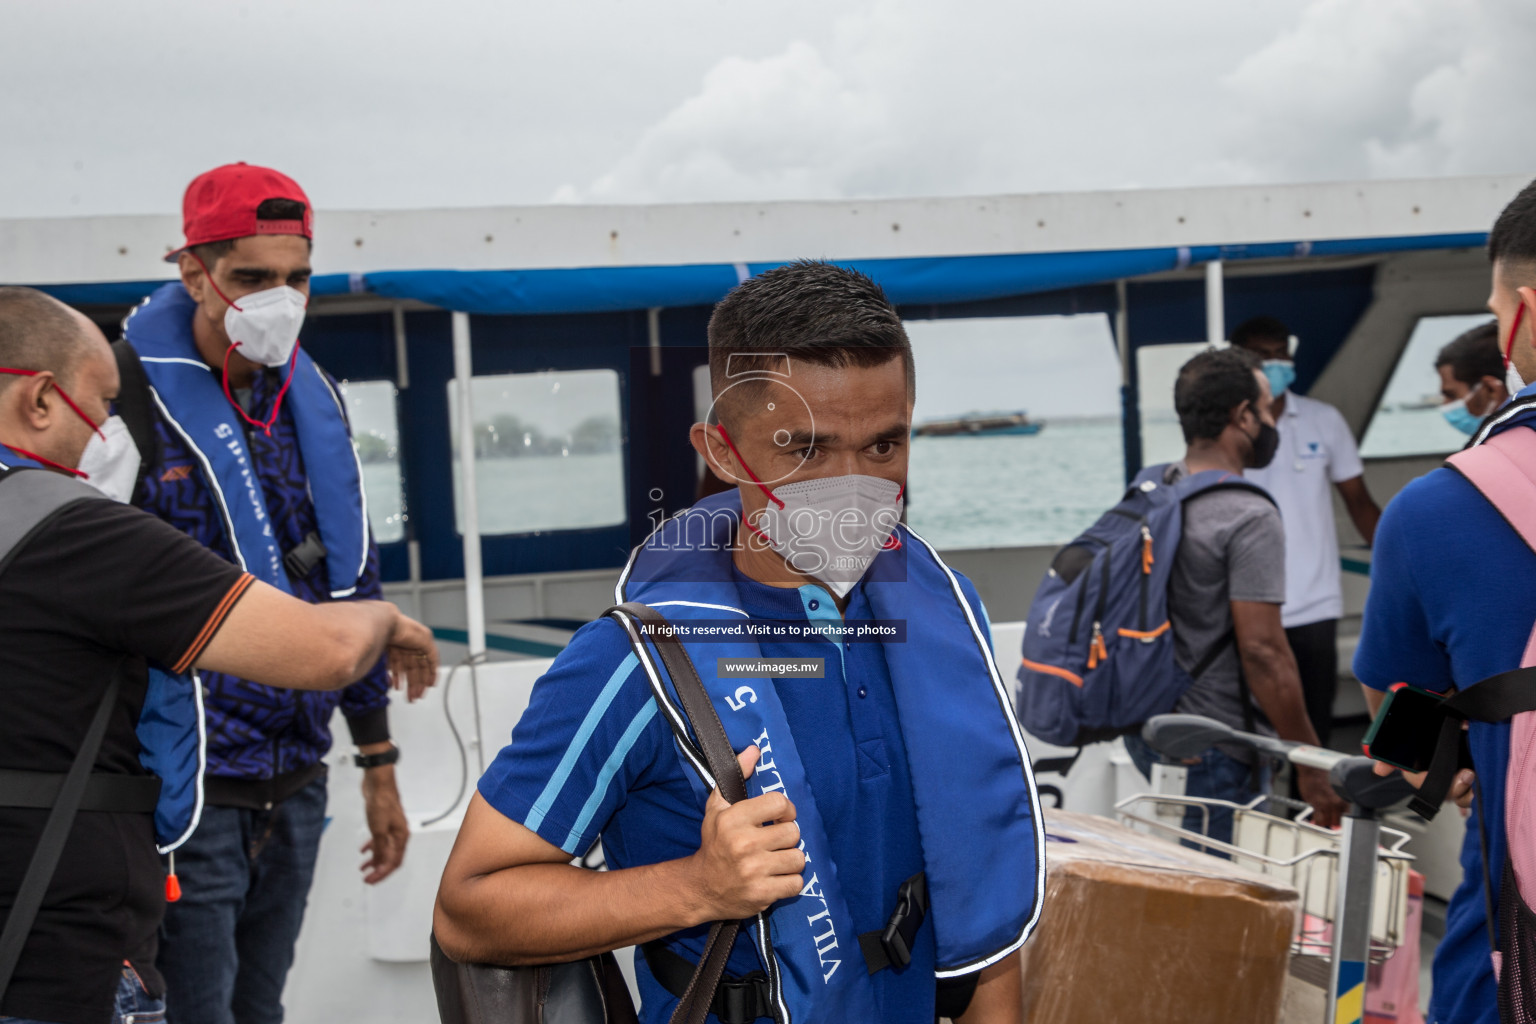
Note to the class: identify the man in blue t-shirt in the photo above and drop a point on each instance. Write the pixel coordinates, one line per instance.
(1451, 605)
(593, 756)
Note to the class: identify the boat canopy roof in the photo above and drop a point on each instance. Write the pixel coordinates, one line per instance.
(570, 260)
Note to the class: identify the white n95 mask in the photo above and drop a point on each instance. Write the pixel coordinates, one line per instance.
(264, 326)
(111, 460)
(832, 528)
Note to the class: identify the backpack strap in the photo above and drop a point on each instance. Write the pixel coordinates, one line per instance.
(29, 498)
(1503, 469)
(50, 845)
(698, 996)
(136, 408)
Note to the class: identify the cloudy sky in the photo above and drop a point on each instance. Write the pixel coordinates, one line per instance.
(111, 107)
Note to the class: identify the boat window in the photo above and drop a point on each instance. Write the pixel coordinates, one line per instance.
(1157, 367)
(375, 431)
(548, 451)
(1017, 437)
(1408, 420)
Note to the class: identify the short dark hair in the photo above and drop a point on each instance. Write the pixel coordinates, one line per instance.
(1266, 327)
(1209, 387)
(38, 332)
(808, 310)
(270, 209)
(1473, 355)
(1513, 238)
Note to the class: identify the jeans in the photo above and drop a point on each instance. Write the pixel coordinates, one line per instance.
(227, 944)
(133, 1006)
(1216, 775)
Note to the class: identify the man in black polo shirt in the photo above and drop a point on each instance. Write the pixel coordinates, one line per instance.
(92, 596)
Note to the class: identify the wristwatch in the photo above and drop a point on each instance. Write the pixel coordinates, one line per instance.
(389, 756)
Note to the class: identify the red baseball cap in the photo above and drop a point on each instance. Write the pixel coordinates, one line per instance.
(221, 204)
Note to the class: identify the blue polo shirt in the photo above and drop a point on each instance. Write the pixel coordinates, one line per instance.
(1452, 603)
(591, 756)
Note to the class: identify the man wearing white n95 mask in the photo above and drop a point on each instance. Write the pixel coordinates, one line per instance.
(852, 671)
(244, 445)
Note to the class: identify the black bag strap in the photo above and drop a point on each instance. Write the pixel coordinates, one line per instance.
(715, 747)
(712, 741)
(1495, 699)
(1204, 665)
(50, 845)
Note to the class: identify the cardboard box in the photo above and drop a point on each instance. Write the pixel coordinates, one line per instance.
(1141, 930)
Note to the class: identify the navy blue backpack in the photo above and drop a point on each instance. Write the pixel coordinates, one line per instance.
(1098, 644)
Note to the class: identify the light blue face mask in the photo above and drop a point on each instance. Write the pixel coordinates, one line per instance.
(1281, 374)
(1459, 416)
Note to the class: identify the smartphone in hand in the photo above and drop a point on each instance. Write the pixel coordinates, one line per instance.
(1407, 728)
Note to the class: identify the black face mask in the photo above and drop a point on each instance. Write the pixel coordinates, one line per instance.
(1264, 446)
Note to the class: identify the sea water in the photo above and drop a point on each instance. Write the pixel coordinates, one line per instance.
(962, 492)
(1011, 491)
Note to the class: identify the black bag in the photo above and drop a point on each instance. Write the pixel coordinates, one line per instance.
(592, 991)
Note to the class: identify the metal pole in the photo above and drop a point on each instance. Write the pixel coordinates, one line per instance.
(402, 365)
(1215, 305)
(474, 591)
(1130, 387)
(1352, 918)
(653, 335)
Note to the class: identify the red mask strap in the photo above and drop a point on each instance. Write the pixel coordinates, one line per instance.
(47, 462)
(214, 284)
(1509, 347)
(277, 403)
(761, 486)
(62, 394)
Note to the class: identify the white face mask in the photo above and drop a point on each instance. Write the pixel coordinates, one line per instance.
(1512, 382)
(265, 326)
(832, 528)
(112, 465)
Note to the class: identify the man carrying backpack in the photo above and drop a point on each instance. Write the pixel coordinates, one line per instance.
(1120, 631)
(1452, 607)
(1228, 584)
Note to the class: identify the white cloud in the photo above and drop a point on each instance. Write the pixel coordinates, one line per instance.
(786, 126)
(1387, 88)
(907, 98)
(112, 107)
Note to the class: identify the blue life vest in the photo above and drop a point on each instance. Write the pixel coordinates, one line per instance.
(189, 396)
(977, 811)
(1098, 656)
(172, 743)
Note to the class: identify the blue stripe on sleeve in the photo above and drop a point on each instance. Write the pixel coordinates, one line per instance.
(610, 769)
(562, 772)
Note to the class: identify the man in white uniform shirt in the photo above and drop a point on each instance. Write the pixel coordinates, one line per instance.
(1317, 452)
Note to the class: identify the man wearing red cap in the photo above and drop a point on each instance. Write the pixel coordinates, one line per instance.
(241, 441)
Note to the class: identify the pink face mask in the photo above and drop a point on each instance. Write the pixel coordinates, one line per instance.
(67, 401)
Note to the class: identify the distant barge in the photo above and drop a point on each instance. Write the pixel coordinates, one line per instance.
(979, 426)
